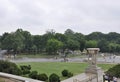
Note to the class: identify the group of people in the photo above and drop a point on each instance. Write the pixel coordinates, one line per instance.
(107, 78)
(111, 56)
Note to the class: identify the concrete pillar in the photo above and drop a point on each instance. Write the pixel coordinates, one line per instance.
(92, 61)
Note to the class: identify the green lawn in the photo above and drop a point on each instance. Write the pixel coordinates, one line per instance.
(57, 67)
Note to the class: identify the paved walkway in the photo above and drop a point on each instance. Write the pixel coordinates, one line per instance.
(80, 78)
(100, 60)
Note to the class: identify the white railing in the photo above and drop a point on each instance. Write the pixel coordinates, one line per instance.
(17, 78)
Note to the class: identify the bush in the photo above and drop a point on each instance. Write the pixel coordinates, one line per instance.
(70, 74)
(114, 71)
(42, 77)
(9, 67)
(25, 72)
(65, 73)
(33, 75)
(25, 69)
(54, 78)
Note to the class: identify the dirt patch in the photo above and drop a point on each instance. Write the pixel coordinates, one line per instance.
(2, 79)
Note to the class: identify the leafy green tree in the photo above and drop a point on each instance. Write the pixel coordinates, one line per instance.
(37, 41)
(118, 41)
(63, 39)
(103, 45)
(13, 41)
(112, 36)
(28, 41)
(50, 34)
(8, 42)
(72, 44)
(95, 36)
(112, 47)
(53, 46)
(118, 48)
(91, 44)
(18, 41)
(3, 37)
(81, 39)
(69, 32)
(34, 49)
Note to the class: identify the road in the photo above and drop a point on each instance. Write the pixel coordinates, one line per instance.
(100, 60)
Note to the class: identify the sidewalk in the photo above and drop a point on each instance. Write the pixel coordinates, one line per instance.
(81, 78)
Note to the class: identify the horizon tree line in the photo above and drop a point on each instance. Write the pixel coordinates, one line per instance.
(51, 42)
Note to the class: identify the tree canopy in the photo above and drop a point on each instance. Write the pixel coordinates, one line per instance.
(24, 42)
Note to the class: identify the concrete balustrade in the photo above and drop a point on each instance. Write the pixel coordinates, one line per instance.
(16, 78)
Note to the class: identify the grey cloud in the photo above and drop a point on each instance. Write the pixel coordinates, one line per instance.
(80, 15)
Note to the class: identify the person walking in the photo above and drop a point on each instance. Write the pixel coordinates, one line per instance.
(114, 79)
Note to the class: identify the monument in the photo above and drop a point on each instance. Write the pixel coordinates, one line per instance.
(92, 60)
(92, 72)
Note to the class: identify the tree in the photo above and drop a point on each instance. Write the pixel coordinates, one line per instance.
(7, 42)
(112, 36)
(113, 47)
(53, 46)
(18, 41)
(91, 44)
(95, 36)
(49, 35)
(37, 41)
(72, 45)
(81, 39)
(13, 41)
(103, 45)
(69, 32)
(28, 41)
(63, 39)
(3, 37)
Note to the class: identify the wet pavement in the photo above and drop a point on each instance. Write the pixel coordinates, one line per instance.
(100, 60)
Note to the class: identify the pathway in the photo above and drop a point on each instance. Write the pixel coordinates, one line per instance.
(100, 60)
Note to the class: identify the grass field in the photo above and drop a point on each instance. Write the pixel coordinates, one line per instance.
(57, 67)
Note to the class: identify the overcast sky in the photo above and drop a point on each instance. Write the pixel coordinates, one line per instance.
(37, 16)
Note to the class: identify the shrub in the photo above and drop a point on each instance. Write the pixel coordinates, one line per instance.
(9, 67)
(54, 78)
(25, 72)
(42, 77)
(70, 74)
(65, 73)
(25, 69)
(114, 71)
(33, 75)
